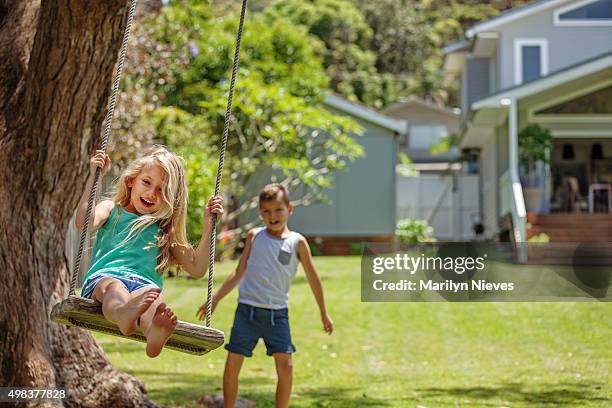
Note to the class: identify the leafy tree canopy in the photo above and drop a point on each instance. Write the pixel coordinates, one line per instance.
(279, 120)
(349, 60)
(293, 52)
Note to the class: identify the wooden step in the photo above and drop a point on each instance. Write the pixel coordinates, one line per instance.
(565, 235)
(568, 217)
(571, 227)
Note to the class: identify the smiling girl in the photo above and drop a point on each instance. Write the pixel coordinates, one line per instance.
(140, 233)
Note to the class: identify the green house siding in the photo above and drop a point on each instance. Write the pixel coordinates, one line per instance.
(362, 199)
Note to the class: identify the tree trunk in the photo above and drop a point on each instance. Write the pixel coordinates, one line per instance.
(56, 65)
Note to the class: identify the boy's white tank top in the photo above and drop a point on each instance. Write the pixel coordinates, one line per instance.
(271, 266)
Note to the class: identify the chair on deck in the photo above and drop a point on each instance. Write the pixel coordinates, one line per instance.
(575, 202)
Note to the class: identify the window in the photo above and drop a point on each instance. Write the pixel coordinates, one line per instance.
(531, 62)
(422, 137)
(585, 13)
(530, 59)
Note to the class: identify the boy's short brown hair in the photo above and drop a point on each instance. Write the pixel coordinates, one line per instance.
(272, 192)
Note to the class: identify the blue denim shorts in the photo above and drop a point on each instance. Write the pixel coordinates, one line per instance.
(252, 323)
(130, 281)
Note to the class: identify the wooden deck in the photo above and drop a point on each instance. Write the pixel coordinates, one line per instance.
(351, 245)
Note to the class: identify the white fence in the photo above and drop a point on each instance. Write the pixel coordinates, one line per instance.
(430, 197)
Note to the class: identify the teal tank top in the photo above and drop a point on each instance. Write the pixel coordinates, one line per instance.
(138, 256)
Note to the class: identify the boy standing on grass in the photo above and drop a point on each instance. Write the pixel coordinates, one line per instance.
(265, 270)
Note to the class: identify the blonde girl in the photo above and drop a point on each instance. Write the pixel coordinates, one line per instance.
(140, 233)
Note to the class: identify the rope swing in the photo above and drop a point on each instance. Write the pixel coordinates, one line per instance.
(86, 313)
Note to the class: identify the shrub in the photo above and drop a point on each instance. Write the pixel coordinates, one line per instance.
(414, 231)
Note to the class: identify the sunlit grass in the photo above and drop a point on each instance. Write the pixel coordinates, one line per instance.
(396, 354)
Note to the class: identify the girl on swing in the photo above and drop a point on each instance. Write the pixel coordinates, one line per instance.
(141, 232)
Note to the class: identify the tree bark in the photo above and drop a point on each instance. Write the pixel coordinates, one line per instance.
(56, 65)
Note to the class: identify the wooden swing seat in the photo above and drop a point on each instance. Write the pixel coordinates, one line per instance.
(87, 314)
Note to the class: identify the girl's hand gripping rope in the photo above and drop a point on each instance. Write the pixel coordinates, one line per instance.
(214, 206)
(101, 160)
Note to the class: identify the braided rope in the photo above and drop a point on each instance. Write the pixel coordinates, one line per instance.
(107, 125)
(228, 114)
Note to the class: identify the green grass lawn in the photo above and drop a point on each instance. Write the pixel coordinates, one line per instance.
(396, 354)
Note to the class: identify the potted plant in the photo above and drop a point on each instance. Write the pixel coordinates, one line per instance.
(535, 143)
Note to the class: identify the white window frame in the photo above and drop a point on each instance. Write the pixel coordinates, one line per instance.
(519, 43)
(585, 22)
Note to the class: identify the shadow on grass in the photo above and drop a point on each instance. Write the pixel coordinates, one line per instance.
(338, 397)
(558, 394)
(184, 389)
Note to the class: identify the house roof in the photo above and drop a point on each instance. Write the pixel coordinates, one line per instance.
(553, 79)
(367, 114)
(461, 45)
(420, 102)
(490, 110)
(455, 52)
(512, 15)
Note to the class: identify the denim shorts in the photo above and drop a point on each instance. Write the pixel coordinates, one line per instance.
(252, 323)
(131, 282)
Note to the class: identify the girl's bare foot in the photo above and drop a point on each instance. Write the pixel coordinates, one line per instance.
(163, 324)
(128, 314)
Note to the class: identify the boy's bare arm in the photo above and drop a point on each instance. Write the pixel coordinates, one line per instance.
(315, 283)
(233, 279)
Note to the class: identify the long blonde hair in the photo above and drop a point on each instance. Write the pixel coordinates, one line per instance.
(172, 215)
